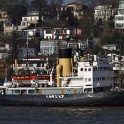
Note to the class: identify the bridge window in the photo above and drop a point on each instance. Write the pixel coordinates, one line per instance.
(89, 79)
(81, 69)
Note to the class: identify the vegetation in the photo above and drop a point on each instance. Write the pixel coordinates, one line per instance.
(16, 16)
(39, 5)
(102, 29)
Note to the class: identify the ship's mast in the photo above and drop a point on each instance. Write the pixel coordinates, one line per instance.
(14, 50)
(27, 50)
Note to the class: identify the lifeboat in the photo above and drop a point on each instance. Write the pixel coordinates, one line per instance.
(24, 77)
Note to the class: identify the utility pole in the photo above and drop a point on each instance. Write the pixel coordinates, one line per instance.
(27, 50)
(77, 35)
(15, 50)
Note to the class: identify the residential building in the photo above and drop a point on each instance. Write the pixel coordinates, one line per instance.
(121, 7)
(31, 18)
(76, 8)
(103, 12)
(110, 47)
(4, 51)
(48, 34)
(24, 52)
(57, 33)
(3, 16)
(119, 18)
(50, 47)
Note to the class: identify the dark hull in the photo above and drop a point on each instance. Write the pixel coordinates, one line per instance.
(111, 99)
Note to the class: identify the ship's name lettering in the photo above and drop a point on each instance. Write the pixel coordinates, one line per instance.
(54, 96)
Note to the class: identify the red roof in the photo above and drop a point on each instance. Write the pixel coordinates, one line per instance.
(75, 3)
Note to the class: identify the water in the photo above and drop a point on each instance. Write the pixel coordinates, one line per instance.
(55, 115)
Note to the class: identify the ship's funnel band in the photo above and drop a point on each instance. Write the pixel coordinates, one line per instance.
(65, 53)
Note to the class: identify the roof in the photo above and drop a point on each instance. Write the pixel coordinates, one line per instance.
(75, 3)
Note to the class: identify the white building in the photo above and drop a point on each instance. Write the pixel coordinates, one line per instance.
(110, 47)
(56, 33)
(31, 18)
(102, 12)
(119, 18)
(4, 50)
(76, 8)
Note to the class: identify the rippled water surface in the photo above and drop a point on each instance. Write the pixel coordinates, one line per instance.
(56, 115)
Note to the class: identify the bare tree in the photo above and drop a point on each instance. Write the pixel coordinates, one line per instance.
(93, 3)
(40, 5)
(90, 3)
(56, 3)
(4, 4)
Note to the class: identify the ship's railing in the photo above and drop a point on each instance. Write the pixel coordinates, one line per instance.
(71, 75)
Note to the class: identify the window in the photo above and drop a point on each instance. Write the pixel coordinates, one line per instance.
(30, 65)
(85, 79)
(103, 78)
(89, 69)
(38, 65)
(94, 69)
(88, 90)
(25, 19)
(23, 23)
(89, 79)
(48, 31)
(31, 91)
(81, 69)
(17, 91)
(85, 69)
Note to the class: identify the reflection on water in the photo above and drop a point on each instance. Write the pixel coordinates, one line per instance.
(56, 115)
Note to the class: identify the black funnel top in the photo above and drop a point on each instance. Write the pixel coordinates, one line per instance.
(65, 53)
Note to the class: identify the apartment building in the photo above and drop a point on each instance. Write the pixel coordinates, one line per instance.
(119, 18)
(102, 12)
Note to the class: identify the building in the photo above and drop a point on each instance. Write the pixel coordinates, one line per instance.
(119, 18)
(110, 47)
(76, 8)
(31, 18)
(3, 16)
(24, 52)
(50, 47)
(57, 33)
(102, 12)
(4, 51)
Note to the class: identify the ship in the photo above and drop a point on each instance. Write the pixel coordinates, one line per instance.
(80, 81)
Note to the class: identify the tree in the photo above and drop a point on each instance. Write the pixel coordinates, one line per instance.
(16, 16)
(90, 3)
(39, 5)
(56, 3)
(93, 3)
(4, 4)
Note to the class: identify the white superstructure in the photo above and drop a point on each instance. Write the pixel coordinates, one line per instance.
(93, 75)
